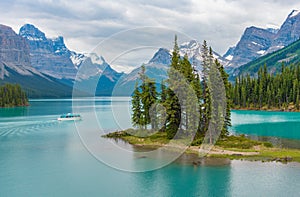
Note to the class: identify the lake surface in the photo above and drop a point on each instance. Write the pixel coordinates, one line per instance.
(40, 156)
(280, 128)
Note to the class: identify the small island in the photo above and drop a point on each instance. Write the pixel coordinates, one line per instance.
(200, 111)
(231, 147)
(11, 95)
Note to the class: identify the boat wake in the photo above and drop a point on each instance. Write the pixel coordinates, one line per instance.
(22, 126)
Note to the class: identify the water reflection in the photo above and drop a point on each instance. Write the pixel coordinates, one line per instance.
(14, 111)
(186, 181)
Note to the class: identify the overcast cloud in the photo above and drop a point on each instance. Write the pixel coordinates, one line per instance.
(84, 24)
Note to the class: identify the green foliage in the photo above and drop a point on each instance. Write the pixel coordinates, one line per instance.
(187, 103)
(11, 95)
(268, 91)
(143, 98)
(237, 142)
(136, 107)
(268, 144)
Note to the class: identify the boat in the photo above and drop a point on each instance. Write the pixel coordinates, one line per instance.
(69, 116)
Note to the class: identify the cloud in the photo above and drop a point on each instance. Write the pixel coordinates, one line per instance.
(86, 23)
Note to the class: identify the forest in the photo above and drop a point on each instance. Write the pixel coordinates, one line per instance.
(268, 91)
(11, 95)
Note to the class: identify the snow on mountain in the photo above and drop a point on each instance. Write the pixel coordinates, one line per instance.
(251, 45)
(229, 57)
(30, 32)
(157, 67)
(294, 13)
(95, 59)
(257, 42)
(14, 54)
(77, 59)
(229, 53)
(261, 52)
(52, 57)
(289, 31)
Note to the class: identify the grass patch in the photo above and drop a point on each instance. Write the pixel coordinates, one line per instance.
(240, 142)
(235, 147)
(140, 137)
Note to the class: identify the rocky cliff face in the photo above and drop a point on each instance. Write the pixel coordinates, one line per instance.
(15, 67)
(49, 56)
(14, 53)
(289, 31)
(257, 42)
(254, 43)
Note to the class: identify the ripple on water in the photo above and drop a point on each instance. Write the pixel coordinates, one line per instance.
(11, 128)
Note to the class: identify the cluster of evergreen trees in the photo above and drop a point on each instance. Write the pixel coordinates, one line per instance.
(267, 90)
(185, 103)
(12, 95)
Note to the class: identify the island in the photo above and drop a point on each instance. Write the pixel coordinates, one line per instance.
(231, 147)
(189, 108)
(11, 95)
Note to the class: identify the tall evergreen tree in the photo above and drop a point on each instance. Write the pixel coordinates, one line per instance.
(137, 115)
(172, 101)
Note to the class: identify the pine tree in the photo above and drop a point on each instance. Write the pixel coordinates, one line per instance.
(152, 98)
(137, 116)
(173, 106)
(279, 91)
(227, 119)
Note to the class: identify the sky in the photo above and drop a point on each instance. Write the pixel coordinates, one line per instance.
(85, 24)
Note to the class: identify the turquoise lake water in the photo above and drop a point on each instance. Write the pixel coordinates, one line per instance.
(40, 156)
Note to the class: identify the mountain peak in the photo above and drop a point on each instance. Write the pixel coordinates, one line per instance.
(95, 58)
(162, 56)
(190, 45)
(30, 32)
(294, 13)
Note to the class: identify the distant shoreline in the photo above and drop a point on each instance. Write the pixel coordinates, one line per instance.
(265, 109)
(15, 106)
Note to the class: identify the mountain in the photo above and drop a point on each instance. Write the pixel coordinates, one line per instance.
(95, 72)
(49, 56)
(289, 32)
(157, 67)
(256, 42)
(274, 61)
(52, 57)
(15, 67)
(46, 67)
(193, 50)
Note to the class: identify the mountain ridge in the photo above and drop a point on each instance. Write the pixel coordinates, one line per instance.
(285, 56)
(256, 42)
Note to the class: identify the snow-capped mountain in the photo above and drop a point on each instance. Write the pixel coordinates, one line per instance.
(15, 67)
(289, 31)
(193, 51)
(157, 67)
(49, 56)
(38, 63)
(256, 42)
(14, 54)
(52, 57)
